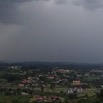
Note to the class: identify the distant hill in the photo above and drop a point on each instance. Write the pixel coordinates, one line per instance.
(50, 65)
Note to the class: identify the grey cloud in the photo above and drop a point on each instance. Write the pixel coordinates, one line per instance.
(60, 1)
(51, 32)
(54, 34)
(89, 4)
(55, 1)
(9, 11)
(9, 8)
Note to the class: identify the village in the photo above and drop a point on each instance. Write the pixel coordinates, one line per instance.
(57, 85)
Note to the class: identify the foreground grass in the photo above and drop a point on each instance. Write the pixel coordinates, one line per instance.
(89, 92)
(14, 99)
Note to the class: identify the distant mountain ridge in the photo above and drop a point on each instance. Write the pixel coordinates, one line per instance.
(45, 62)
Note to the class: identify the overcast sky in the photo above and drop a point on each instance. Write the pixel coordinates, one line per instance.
(51, 30)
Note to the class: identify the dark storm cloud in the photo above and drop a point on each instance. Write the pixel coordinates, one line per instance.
(51, 32)
(9, 11)
(9, 8)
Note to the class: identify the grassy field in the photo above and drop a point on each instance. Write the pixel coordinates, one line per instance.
(57, 91)
(14, 99)
(89, 92)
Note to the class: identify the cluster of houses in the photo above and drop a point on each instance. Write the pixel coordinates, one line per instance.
(74, 90)
(97, 70)
(52, 86)
(77, 86)
(28, 84)
(47, 99)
